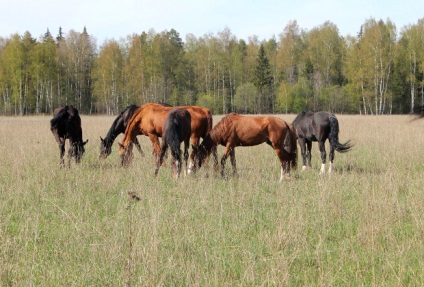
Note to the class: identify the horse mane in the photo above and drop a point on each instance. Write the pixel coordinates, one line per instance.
(221, 127)
(301, 115)
(131, 123)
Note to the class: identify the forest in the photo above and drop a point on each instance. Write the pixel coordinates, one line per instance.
(378, 71)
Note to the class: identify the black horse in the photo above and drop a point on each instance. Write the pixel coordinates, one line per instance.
(66, 124)
(118, 126)
(176, 129)
(318, 126)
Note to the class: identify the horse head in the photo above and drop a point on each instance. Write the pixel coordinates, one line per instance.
(126, 154)
(77, 150)
(105, 147)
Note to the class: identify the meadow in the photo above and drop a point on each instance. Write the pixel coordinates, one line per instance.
(361, 226)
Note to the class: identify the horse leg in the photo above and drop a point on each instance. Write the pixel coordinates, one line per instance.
(176, 166)
(156, 146)
(138, 146)
(303, 151)
(215, 158)
(62, 151)
(233, 160)
(186, 145)
(331, 157)
(285, 164)
(308, 153)
(161, 156)
(224, 158)
(323, 155)
(192, 166)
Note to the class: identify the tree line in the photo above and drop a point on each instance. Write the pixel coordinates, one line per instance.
(378, 71)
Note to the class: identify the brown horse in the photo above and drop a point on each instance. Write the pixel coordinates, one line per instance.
(66, 124)
(176, 129)
(236, 130)
(148, 120)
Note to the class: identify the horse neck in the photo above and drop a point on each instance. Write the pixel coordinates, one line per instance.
(113, 132)
(208, 143)
(130, 132)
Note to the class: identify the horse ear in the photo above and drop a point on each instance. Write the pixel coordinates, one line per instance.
(85, 142)
(101, 139)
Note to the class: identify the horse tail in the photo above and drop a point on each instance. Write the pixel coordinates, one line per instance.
(172, 138)
(58, 118)
(334, 136)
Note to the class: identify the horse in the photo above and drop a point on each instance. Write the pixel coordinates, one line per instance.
(118, 126)
(148, 120)
(237, 130)
(318, 126)
(176, 129)
(66, 124)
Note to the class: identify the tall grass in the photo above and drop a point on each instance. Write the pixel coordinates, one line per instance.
(361, 226)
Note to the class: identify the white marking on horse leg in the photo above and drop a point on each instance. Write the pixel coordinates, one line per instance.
(190, 167)
(303, 167)
(323, 168)
(330, 169)
(281, 175)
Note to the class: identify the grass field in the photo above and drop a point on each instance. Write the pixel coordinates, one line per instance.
(361, 226)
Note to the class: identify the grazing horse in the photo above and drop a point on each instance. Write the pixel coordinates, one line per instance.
(318, 126)
(176, 129)
(148, 120)
(236, 130)
(66, 124)
(118, 126)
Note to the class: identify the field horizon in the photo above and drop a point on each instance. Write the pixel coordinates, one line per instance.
(80, 226)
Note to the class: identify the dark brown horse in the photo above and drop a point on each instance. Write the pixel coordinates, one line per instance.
(148, 120)
(318, 126)
(66, 124)
(176, 129)
(236, 130)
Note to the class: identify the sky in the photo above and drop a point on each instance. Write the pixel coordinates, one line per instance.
(117, 19)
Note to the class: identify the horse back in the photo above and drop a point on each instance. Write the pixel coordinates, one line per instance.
(66, 122)
(201, 120)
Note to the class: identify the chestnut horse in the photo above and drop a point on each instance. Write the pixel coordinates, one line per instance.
(118, 127)
(148, 120)
(236, 130)
(176, 129)
(66, 124)
(319, 126)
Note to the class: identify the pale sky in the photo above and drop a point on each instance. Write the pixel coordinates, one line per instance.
(109, 19)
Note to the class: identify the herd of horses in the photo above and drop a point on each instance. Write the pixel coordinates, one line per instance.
(185, 124)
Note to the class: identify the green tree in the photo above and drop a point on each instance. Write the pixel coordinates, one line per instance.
(43, 69)
(264, 82)
(108, 87)
(246, 98)
(325, 51)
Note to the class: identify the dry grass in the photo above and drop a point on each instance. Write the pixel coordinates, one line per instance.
(363, 226)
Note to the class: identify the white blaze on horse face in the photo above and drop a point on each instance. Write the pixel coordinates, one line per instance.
(322, 168)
